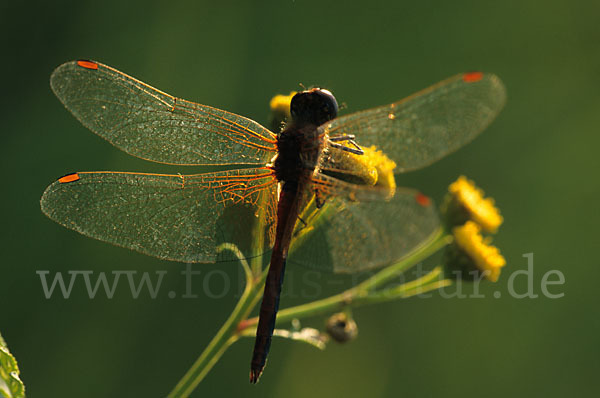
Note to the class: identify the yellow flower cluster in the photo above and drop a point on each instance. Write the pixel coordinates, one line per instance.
(373, 167)
(467, 213)
(481, 210)
(487, 258)
(281, 103)
(385, 168)
(280, 111)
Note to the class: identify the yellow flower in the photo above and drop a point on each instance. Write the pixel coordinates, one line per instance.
(281, 103)
(372, 168)
(475, 251)
(280, 111)
(385, 168)
(466, 202)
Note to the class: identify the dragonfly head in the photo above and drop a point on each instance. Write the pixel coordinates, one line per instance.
(315, 106)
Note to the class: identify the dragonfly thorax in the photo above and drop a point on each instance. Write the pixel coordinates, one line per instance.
(298, 150)
(300, 144)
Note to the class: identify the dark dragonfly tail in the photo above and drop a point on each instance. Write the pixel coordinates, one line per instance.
(287, 213)
(268, 315)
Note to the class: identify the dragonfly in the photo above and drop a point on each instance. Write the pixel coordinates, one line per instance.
(272, 176)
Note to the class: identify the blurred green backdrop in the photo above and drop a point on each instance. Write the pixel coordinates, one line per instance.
(539, 160)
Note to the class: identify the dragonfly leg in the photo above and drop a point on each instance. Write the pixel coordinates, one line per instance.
(319, 202)
(357, 150)
(342, 137)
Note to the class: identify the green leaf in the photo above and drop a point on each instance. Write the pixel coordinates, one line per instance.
(11, 385)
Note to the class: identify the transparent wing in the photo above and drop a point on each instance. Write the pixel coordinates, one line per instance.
(428, 125)
(348, 237)
(172, 217)
(330, 187)
(153, 125)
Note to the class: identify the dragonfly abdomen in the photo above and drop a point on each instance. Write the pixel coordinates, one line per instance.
(298, 149)
(287, 213)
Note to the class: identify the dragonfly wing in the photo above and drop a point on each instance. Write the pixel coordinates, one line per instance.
(153, 125)
(348, 237)
(326, 187)
(173, 217)
(428, 125)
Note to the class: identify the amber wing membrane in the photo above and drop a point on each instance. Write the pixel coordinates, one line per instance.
(428, 125)
(174, 217)
(153, 125)
(348, 237)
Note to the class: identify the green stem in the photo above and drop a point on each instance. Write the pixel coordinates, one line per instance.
(364, 293)
(422, 285)
(439, 240)
(226, 336)
(355, 299)
(237, 324)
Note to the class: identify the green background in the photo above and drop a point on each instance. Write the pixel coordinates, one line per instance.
(538, 160)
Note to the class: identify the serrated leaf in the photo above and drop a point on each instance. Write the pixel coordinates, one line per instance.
(11, 385)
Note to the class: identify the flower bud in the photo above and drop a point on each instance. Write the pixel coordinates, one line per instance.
(341, 327)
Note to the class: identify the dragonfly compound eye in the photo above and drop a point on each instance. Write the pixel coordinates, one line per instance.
(315, 106)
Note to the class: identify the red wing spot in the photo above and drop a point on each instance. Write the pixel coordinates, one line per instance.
(87, 64)
(422, 200)
(69, 178)
(472, 77)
